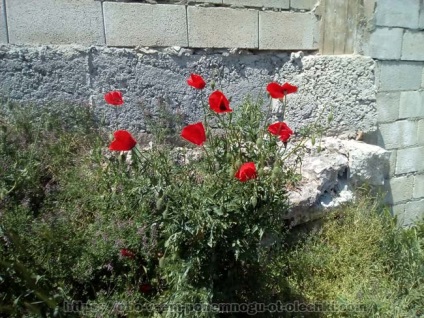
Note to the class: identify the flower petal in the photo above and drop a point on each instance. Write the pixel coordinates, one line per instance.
(194, 133)
(219, 103)
(196, 81)
(246, 172)
(114, 98)
(274, 89)
(123, 141)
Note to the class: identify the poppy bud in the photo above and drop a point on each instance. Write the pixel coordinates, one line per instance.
(159, 204)
(254, 201)
(259, 142)
(276, 172)
(232, 172)
(261, 171)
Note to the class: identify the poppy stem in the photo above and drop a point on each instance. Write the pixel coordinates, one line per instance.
(284, 105)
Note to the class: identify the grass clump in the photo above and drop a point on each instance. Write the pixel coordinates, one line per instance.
(358, 255)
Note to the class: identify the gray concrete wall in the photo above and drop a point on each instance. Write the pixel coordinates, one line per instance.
(397, 44)
(343, 85)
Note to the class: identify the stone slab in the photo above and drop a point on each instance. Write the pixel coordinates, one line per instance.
(421, 132)
(413, 46)
(388, 106)
(398, 134)
(302, 4)
(274, 34)
(414, 211)
(55, 22)
(3, 26)
(398, 13)
(280, 4)
(386, 43)
(222, 27)
(138, 24)
(411, 104)
(399, 189)
(410, 160)
(419, 186)
(399, 75)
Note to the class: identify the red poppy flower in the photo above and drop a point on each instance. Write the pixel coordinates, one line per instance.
(127, 253)
(219, 103)
(279, 91)
(194, 133)
(246, 172)
(114, 98)
(281, 129)
(123, 141)
(196, 81)
(145, 288)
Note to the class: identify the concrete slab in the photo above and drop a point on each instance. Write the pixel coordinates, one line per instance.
(55, 22)
(287, 31)
(281, 4)
(222, 27)
(138, 24)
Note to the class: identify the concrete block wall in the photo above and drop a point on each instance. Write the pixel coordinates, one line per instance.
(250, 24)
(397, 43)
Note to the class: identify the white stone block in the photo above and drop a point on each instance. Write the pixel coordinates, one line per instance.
(398, 13)
(399, 189)
(222, 27)
(419, 186)
(302, 4)
(410, 160)
(414, 211)
(386, 43)
(281, 4)
(55, 22)
(207, 1)
(411, 104)
(399, 75)
(421, 132)
(287, 31)
(398, 134)
(138, 24)
(388, 106)
(413, 46)
(392, 163)
(3, 28)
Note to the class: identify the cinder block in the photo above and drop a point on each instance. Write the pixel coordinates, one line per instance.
(398, 210)
(398, 13)
(399, 189)
(398, 134)
(411, 104)
(3, 28)
(207, 1)
(388, 106)
(400, 76)
(281, 4)
(55, 22)
(287, 31)
(421, 22)
(133, 24)
(222, 27)
(422, 80)
(410, 160)
(419, 186)
(392, 163)
(302, 4)
(386, 43)
(421, 132)
(413, 46)
(414, 211)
